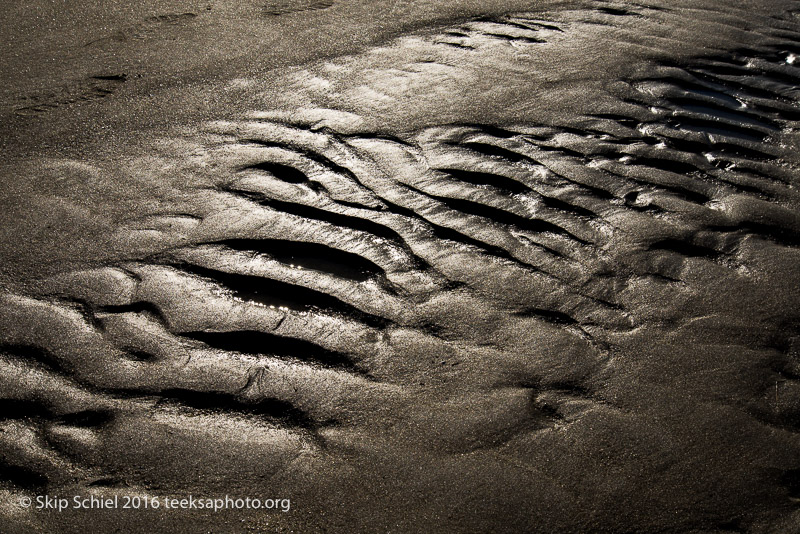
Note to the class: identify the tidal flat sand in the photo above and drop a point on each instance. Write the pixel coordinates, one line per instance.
(411, 266)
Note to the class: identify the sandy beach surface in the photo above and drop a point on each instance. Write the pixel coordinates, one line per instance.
(400, 266)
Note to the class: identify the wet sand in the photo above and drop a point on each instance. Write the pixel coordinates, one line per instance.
(530, 267)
